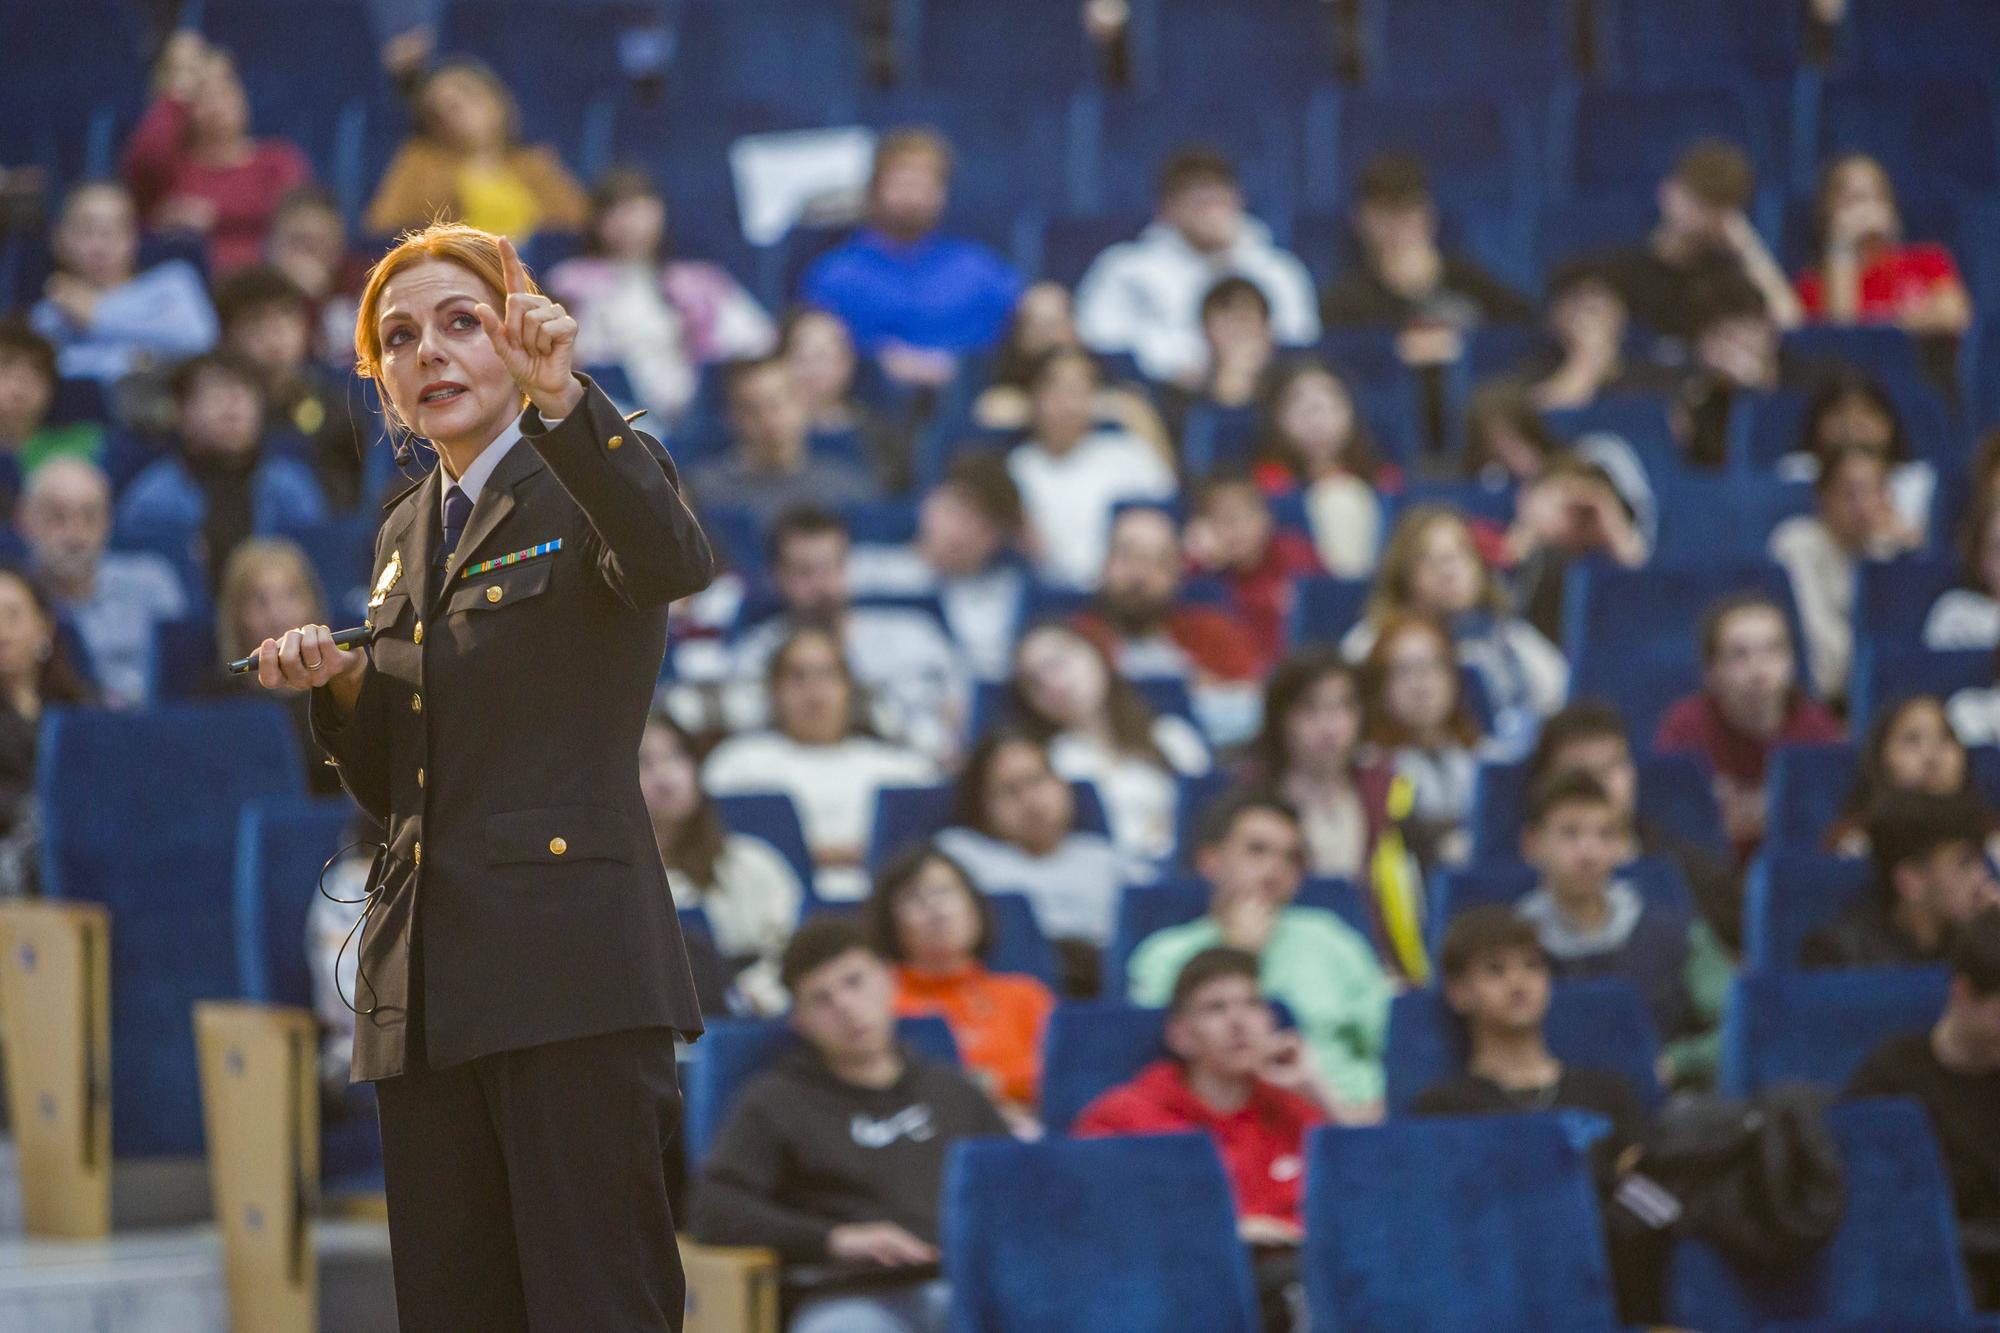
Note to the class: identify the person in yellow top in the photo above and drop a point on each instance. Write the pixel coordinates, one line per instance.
(466, 163)
(935, 927)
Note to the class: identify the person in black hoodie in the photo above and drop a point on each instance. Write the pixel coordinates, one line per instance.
(834, 1156)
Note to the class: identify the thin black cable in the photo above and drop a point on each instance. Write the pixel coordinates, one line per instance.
(368, 899)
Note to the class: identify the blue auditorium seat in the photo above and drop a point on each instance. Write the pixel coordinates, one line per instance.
(317, 103)
(342, 552)
(1631, 635)
(1705, 518)
(794, 53)
(1475, 144)
(1203, 49)
(1940, 130)
(1883, 674)
(1586, 225)
(1092, 1047)
(1145, 909)
(1597, 1023)
(1071, 244)
(1197, 795)
(1036, 48)
(1765, 427)
(1788, 893)
(1501, 884)
(1113, 1235)
(772, 817)
(1807, 785)
(1501, 1209)
(1818, 1026)
(281, 847)
(1018, 943)
(1325, 608)
(1007, 152)
(1622, 137)
(1893, 597)
(76, 86)
(1450, 45)
(140, 813)
(183, 659)
(1675, 790)
(1922, 37)
(732, 1051)
(1895, 1256)
(1891, 1324)
(1676, 42)
(905, 816)
(1118, 145)
(1642, 420)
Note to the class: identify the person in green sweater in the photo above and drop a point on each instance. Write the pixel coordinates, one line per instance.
(1251, 852)
(27, 392)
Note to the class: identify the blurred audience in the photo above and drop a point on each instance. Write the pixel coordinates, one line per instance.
(1233, 536)
(1910, 746)
(1931, 878)
(770, 466)
(35, 674)
(1969, 616)
(1316, 438)
(28, 438)
(1864, 271)
(1045, 319)
(1418, 720)
(266, 588)
(1139, 621)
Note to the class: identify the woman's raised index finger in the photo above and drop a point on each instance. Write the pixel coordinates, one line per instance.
(511, 271)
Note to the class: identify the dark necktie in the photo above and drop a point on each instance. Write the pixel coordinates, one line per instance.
(457, 508)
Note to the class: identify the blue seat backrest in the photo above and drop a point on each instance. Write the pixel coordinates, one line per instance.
(1708, 520)
(1018, 944)
(140, 813)
(772, 817)
(1625, 136)
(1692, 41)
(1817, 1027)
(1921, 36)
(906, 816)
(1895, 1255)
(1884, 674)
(1594, 1023)
(281, 847)
(1807, 785)
(1093, 1046)
(1134, 1233)
(1325, 608)
(1441, 45)
(1145, 909)
(1034, 48)
(1675, 790)
(1204, 48)
(797, 53)
(1508, 1197)
(1893, 597)
(1938, 129)
(184, 659)
(1788, 893)
(735, 1050)
(1659, 882)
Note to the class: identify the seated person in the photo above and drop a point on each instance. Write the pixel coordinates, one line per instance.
(1737, 350)
(115, 599)
(818, 752)
(1252, 854)
(1749, 705)
(1404, 279)
(1853, 409)
(834, 1156)
(912, 671)
(28, 438)
(1911, 746)
(1314, 441)
(1954, 1070)
(1143, 296)
(825, 368)
(268, 586)
(1702, 234)
(1969, 616)
(1418, 721)
(308, 243)
(744, 888)
(1253, 1090)
(770, 466)
(1233, 536)
(1072, 471)
(1045, 319)
(936, 928)
(1100, 729)
(36, 674)
(1855, 520)
(1571, 511)
(1507, 442)
(914, 298)
(105, 317)
(1137, 617)
(1498, 981)
(267, 320)
(1931, 877)
(221, 484)
(1013, 829)
(1236, 330)
(967, 552)
(1588, 319)
(1865, 272)
(1591, 921)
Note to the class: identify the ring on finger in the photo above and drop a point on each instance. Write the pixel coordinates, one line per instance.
(311, 666)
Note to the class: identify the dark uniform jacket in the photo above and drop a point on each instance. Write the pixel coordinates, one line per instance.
(496, 736)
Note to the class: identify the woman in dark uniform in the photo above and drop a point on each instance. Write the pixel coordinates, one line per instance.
(521, 971)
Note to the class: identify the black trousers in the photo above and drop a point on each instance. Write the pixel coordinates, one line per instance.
(528, 1189)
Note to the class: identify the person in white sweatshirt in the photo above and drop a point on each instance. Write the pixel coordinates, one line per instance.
(1143, 296)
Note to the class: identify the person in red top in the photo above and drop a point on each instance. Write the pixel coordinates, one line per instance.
(1252, 1089)
(935, 927)
(1750, 703)
(1234, 537)
(191, 161)
(1866, 272)
(1137, 621)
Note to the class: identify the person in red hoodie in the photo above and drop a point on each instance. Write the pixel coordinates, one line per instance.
(1750, 704)
(192, 163)
(1252, 1089)
(1234, 537)
(1139, 621)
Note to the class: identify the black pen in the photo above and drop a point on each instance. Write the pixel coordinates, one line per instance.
(342, 639)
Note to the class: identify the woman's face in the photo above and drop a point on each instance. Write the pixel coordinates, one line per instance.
(633, 228)
(1063, 413)
(220, 113)
(820, 356)
(1044, 320)
(1317, 417)
(98, 237)
(667, 777)
(936, 920)
(26, 636)
(1447, 578)
(1026, 803)
(1420, 689)
(1854, 498)
(1921, 752)
(1062, 677)
(1856, 421)
(1323, 726)
(811, 698)
(275, 600)
(439, 368)
(465, 110)
(1860, 203)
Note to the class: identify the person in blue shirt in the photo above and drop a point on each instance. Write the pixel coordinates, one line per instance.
(914, 299)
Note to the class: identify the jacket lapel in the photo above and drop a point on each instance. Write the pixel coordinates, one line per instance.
(422, 531)
(495, 502)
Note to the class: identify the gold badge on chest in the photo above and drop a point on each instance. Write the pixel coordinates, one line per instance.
(390, 573)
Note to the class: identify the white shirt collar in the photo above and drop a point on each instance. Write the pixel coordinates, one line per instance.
(474, 480)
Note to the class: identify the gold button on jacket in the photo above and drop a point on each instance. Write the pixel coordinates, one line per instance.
(492, 592)
(557, 846)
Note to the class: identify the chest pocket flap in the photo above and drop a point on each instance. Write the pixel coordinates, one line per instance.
(393, 609)
(499, 589)
(556, 835)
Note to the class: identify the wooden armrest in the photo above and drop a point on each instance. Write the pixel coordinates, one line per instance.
(730, 1288)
